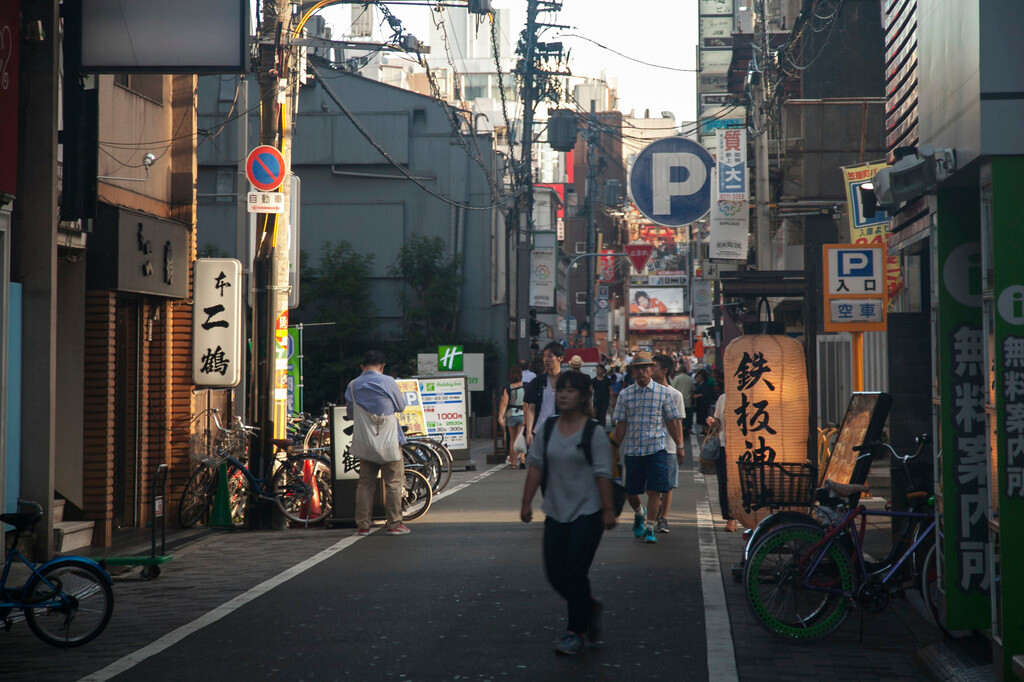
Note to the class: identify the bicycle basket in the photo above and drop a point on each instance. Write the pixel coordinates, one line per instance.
(774, 485)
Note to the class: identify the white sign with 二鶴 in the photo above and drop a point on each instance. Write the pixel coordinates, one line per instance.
(216, 323)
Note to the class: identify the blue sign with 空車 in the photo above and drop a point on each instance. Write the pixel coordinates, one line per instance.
(671, 181)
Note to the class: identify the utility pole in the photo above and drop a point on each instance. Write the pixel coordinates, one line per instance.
(270, 265)
(764, 229)
(526, 220)
(592, 139)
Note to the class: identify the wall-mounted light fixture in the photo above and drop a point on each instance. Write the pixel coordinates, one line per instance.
(147, 161)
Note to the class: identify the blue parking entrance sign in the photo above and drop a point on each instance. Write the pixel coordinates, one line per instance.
(671, 181)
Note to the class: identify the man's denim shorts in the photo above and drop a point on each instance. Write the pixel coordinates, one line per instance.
(647, 472)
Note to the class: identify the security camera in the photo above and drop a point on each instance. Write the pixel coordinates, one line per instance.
(148, 160)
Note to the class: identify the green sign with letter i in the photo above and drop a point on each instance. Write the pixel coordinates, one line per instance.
(1007, 310)
(960, 414)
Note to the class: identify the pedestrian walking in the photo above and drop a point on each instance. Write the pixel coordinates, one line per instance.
(510, 414)
(571, 460)
(602, 385)
(643, 413)
(372, 399)
(662, 374)
(539, 402)
(721, 467)
(683, 382)
(703, 398)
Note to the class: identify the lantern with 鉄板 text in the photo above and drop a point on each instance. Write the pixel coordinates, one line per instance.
(765, 426)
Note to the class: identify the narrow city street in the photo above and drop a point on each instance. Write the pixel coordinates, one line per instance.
(463, 597)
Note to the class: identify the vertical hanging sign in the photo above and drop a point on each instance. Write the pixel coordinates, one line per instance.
(961, 375)
(216, 323)
(730, 208)
(543, 263)
(1003, 214)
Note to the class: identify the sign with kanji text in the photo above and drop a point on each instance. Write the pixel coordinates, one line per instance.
(854, 279)
(638, 254)
(216, 323)
(265, 202)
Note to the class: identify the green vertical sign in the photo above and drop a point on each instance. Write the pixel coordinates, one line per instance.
(294, 371)
(449, 358)
(961, 415)
(1008, 311)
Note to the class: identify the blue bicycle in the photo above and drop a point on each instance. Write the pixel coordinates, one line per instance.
(66, 601)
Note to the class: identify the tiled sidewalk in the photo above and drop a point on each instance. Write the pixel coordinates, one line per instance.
(867, 647)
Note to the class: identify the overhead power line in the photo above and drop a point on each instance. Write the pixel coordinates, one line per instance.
(626, 56)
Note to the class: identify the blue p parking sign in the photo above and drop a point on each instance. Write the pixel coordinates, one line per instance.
(671, 181)
(856, 263)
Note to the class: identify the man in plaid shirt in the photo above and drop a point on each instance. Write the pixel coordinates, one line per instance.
(643, 412)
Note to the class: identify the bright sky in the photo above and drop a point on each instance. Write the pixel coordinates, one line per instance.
(662, 32)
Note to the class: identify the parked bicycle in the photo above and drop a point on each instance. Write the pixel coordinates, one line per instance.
(66, 601)
(300, 485)
(803, 579)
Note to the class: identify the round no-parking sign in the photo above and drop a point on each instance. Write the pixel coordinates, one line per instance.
(265, 168)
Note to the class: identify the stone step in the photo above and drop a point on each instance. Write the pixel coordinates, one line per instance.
(72, 535)
(58, 510)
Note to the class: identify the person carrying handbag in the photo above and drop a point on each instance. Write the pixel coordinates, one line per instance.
(372, 400)
(716, 421)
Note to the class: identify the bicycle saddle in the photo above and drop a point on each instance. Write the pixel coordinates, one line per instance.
(22, 520)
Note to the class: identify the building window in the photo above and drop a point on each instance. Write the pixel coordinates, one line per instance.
(148, 85)
(477, 86)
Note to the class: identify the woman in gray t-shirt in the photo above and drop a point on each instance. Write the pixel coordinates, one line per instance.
(577, 504)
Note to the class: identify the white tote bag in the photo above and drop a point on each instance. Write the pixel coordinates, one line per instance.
(375, 436)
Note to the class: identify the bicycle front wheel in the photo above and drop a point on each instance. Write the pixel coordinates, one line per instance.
(302, 489)
(416, 495)
(74, 600)
(785, 586)
(195, 500)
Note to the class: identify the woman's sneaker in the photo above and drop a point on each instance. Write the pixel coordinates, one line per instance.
(638, 522)
(648, 536)
(570, 644)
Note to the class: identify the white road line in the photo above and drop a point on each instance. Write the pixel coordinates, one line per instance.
(721, 655)
(445, 493)
(175, 636)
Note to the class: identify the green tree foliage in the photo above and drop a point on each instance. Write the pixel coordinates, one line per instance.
(211, 251)
(335, 291)
(430, 298)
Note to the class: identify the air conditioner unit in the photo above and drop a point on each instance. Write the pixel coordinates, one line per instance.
(581, 247)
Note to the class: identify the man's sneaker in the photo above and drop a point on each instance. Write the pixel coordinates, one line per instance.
(638, 522)
(648, 536)
(400, 529)
(662, 526)
(594, 630)
(362, 532)
(570, 644)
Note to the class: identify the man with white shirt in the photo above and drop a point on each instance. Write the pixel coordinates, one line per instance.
(663, 365)
(539, 401)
